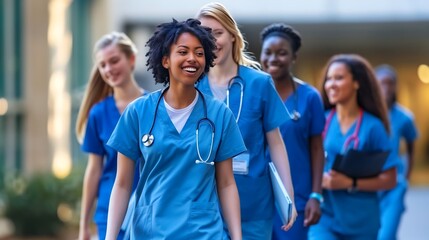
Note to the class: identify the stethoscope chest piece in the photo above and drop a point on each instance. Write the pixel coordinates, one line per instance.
(148, 139)
(296, 115)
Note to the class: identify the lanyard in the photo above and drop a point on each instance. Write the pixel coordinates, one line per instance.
(354, 137)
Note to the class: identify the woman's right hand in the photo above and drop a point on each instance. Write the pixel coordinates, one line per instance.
(292, 219)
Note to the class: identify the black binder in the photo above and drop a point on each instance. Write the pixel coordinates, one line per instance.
(360, 164)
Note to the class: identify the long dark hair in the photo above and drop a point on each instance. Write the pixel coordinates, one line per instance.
(369, 96)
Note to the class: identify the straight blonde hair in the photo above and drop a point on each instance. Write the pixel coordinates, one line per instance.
(97, 89)
(218, 12)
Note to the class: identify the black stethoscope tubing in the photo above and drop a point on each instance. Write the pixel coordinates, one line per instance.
(148, 138)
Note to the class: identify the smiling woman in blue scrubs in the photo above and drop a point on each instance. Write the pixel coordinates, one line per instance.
(302, 132)
(111, 88)
(402, 128)
(259, 111)
(186, 141)
(357, 119)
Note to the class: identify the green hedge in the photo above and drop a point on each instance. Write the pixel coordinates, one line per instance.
(33, 203)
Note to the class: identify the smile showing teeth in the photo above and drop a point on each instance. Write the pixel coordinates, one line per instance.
(190, 69)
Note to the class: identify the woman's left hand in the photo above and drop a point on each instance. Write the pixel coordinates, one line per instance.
(292, 219)
(312, 212)
(334, 180)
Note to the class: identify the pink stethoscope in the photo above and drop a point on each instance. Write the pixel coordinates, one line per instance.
(354, 137)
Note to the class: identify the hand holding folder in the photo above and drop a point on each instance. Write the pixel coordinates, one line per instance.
(281, 197)
(360, 164)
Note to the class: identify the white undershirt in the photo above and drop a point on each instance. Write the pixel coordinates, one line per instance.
(180, 116)
(219, 91)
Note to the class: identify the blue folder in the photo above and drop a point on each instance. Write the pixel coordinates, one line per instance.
(282, 200)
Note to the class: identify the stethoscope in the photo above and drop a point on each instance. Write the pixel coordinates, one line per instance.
(354, 137)
(231, 82)
(295, 115)
(148, 138)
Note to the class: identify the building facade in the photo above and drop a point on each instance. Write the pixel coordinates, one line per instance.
(46, 45)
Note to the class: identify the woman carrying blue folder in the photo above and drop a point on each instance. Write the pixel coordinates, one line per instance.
(356, 119)
(302, 131)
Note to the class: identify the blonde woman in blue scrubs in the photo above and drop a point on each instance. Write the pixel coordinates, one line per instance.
(111, 88)
(356, 119)
(402, 128)
(186, 140)
(259, 112)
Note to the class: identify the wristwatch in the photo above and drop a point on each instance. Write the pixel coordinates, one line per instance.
(317, 196)
(353, 188)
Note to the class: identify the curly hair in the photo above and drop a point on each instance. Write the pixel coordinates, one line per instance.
(284, 31)
(166, 34)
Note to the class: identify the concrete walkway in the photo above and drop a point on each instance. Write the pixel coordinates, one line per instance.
(415, 222)
(414, 225)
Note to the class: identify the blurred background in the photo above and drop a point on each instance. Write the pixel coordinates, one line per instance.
(46, 57)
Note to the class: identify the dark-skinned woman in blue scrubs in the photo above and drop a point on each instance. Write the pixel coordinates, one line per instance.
(185, 140)
(402, 128)
(302, 132)
(356, 121)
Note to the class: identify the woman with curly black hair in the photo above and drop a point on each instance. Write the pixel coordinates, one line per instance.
(185, 141)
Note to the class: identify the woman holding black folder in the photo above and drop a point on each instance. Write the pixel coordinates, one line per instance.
(356, 121)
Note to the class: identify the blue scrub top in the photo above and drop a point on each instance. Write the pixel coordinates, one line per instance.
(354, 213)
(176, 197)
(102, 119)
(262, 111)
(296, 135)
(402, 126)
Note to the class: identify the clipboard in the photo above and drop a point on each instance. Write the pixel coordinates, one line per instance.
(360, 164)
(282, 200)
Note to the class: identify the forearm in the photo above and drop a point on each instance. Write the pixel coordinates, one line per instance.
(317, 162)
(91, 182)
(117, 208)
(230, 203)
(410, 158)
(280, 159)
(120, 196)
(384, 181)
(228, 197)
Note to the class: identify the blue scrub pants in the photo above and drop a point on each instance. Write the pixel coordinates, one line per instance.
(102, 228)
(257, 230)
(298, 231)
(392, 207)
(253, 230)
(323, 231)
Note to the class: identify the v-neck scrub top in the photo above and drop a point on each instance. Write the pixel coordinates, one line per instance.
(358, 212)
(176, 198)
(102, 119)
(262, 111)
(296, 135)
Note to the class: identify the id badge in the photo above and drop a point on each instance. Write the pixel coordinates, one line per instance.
(240, 163)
